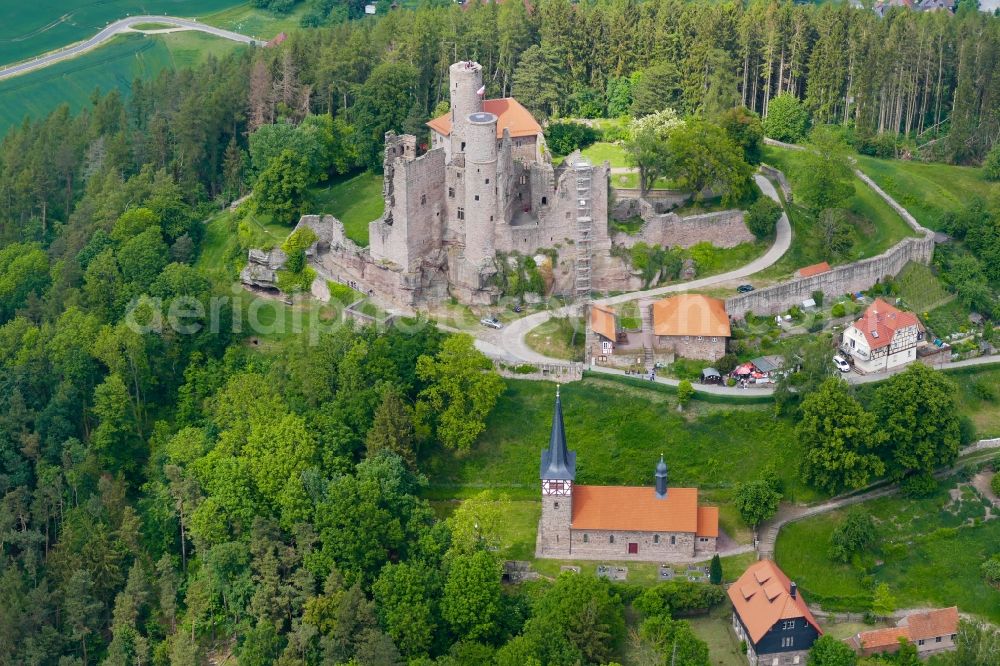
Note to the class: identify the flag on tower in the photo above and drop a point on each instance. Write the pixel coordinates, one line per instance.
(481, 91)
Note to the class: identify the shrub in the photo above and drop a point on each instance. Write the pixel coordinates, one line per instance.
(854, 535)
(919, 485)
(991, 570)
(984, 390)
(838, 310)
(342, 294)
(995, 483)
(786, 118)
(679, 597)
(726, 364)
(762, 217)
(565, 136)
(818, 297)
(991, 167)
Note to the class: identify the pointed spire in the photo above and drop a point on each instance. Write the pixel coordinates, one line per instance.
(558, 462)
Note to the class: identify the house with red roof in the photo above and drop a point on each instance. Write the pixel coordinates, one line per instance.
(931, 631)
(770, 614)
(883, 338)
(652, 523)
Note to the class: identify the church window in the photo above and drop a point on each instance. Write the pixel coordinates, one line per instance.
(451, 192)
(461, 213)
(673, 540)
(656, 538)
(555, 505)
(586, 538)
(611, 539)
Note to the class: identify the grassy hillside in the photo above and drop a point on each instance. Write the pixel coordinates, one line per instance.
(30, 28)
(115, 65)
(355, 201)
(930, 554)
(876, 227)
(926, 190)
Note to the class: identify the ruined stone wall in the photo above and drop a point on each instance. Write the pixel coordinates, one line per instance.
(722, 229)
(850, 278)
(525, 148)
(626, 202)
(414, 191)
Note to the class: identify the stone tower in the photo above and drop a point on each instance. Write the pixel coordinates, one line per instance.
(558, 471)
(466, 80)
(480, 187)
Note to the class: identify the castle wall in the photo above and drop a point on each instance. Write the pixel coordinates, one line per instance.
(722, 229)
(525, 148)
(849, 278)
(414, 191)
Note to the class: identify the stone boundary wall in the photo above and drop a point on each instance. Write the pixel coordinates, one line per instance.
(553, 372)
(722, 229)
(774, 174)
(849, 278)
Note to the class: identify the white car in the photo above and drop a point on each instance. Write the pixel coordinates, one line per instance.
(491, 322)
(841, 364)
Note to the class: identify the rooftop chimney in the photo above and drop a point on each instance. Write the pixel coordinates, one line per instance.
(793, 589)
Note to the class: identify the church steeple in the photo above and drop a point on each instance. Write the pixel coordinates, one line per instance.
(558, 462)
(661, 478)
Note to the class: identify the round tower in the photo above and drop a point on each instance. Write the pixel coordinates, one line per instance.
(480, 187)
(466, 79)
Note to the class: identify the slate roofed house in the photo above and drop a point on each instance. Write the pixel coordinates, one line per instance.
(692, 326)
(931, 631)
(604, 326)
(883, 338)
(772, 617)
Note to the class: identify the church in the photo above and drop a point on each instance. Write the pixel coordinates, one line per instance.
(653, 523)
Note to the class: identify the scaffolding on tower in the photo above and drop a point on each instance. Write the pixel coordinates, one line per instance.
(584, 226)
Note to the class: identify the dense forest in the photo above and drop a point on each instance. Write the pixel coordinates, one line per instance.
(171, 494)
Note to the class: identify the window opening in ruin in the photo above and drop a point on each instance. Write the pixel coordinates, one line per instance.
(477, 197)
(461, 213)
(423, 199)
(451, 192)
(545, 200)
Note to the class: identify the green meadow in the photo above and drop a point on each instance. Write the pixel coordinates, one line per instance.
(115, 65)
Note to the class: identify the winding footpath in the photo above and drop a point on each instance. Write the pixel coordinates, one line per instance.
(111, 31)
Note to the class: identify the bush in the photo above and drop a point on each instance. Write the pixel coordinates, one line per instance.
(991, 167)
(995, 483)
(786, 118)
(838, 310)
(919, 485)
(726, 364)
(762, 217)
(855, 534)
(984, 390)
(342, 294)
(564, 137)
(991, 570)
(679, 597)
(818, 297)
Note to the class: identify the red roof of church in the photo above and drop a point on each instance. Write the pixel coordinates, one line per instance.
(510, 115)
(638, 509)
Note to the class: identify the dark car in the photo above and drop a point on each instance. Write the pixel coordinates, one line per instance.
(744, 288)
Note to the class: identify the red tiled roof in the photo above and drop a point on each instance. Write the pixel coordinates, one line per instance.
(691, 314)
(815, 269)
(761, 598)
(881, 321)
(510, 115)
(602, 321)
(878, 640)
(708, 521)
(938, 622)
(636, 508)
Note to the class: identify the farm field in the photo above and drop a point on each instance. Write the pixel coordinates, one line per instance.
(926, 190)
(29, 29)
(248, 20)
(930, 554)
(877, 226)
(355, 201)
(115, 65)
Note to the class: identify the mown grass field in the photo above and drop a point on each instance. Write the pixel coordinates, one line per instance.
(30, 28)
(618, 431)
(559, 337)
(930, 555)
(248, 20)
(877, 226)
(115, 65)
(355, 201)
(927, 190)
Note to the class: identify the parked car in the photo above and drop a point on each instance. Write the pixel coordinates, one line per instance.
(491, 322)
(841, 364)
(744, 288)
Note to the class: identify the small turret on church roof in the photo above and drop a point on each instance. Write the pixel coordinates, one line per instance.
(558, 462)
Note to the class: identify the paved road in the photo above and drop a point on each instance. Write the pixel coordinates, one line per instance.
(109, 32)
(511, 338)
